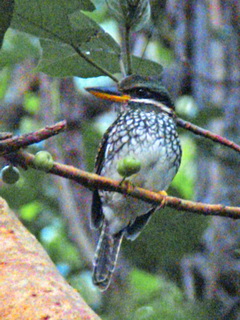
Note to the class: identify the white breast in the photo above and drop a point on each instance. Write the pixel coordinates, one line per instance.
(158, 167)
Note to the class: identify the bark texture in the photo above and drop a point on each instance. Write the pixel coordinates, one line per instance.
(31, 286)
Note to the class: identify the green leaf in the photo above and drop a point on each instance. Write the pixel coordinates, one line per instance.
(65, 24)
(133, 14)
(68, 34)
(145, 67)
(50, 19)
(6, 9)
(93, 34)
(60, 60)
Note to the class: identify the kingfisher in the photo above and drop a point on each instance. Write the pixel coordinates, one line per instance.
(145, 130)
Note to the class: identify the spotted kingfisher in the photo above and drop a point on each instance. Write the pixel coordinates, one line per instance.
(145, 129)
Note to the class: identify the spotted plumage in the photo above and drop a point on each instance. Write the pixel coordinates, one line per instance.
(144, 129)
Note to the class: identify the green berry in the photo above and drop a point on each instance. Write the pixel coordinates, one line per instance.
(10, 174)
(128, 166)
(43, 160)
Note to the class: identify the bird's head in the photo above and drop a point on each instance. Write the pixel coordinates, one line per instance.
(137, 89)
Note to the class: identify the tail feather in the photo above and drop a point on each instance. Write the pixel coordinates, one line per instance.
(106, 257)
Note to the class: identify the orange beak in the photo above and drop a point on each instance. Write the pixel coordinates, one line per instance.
(109, 93)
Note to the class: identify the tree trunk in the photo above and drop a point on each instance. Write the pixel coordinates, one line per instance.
(31, 286)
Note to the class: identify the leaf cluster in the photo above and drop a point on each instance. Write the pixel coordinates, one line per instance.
(73, 44)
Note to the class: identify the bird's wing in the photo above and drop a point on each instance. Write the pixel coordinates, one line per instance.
(96, 212)
(133, 231)
(101, 153)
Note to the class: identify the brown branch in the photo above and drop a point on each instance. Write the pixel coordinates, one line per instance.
(92, 181)
(207, 134)
(12, 144)
(5, 135)
(15, 143)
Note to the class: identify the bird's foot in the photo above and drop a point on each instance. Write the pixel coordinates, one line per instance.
(163, 203)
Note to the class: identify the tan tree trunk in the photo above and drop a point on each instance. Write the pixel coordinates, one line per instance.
(31, 286)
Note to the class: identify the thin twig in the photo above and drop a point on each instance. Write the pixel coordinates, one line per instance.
(207, 134)
(15, 143)
(127, 50)
(93, 181)
(5, 135)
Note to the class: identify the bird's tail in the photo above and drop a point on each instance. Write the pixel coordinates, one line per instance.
(106, 257)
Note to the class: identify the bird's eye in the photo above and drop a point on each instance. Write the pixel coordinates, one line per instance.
(141, 92)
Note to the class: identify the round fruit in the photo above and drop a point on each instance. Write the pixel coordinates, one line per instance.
(10, 174)
(128, 166)
(43, 160)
